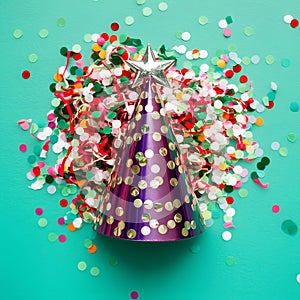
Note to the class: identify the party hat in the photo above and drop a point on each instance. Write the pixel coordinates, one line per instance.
(149, 197)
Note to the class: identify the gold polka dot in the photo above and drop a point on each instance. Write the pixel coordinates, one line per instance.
(108, 206)
(194, 207)
(143, 162)
(110, 220)
(176, 203)
(157, 99)
(148, 204)
(137, 203)
(128, 180)
(142, 184)
(155, 115)
(121, 225)
(146, 217)
(119, 211)
(100, 221)
(131, 233)
(158, 207)
(180, 169)
(177, 161)
(156, 136)
(184, 232)
(129, 162)
(171, 146)
(173, 182)
(119, 180)
(135, 169)
(171, 224)
(145, 230)
(137, 137)
(163, 151)
(178, 218)
(154, 184)
(113, 184)
(193, 224)
(145, 128)
(144, 95)
(117, 231)
(140, 108)
(138, 116)
(187, 199)
(168, 206)
(171, 165)
(153, 223)
(164, 129)
(129, 140)
(187, 225)
(162, 229)
(134, 191)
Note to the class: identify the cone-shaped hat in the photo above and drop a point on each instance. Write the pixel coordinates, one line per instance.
(149, 197)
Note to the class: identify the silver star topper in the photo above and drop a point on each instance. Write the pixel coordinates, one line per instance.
(149, 67)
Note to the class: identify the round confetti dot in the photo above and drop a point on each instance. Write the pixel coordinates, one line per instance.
(230, 261)
(114, 26)
(92, 249)
(129, 20)
(23, 147)
(113, 261)
(61, 22)
(43, 33)
(226, 235)
(32, 57)
(294, 107)
(88, 243)
(76, 48)
(259, 121)
(140, 2)
(87, 37)
(62, 238)
(289, 227)
(134, 295)
(42, 222)
(283, 151)
(52, 237)
(147, 11)
(298, 278)
(243, 193)
(222, 24)
(18, 33)
(292, 137)
(288, 18)
(63, 202)
(51, 189)
(82, 266)
(203, 20)
(294, 23)
(227, 32)
(25, 74)
(275, 208)
(248, 31)
(61, 221)
(185, 36)
(39, 211)
(270, 59)
(285, 62)
(275, 146)
(162, 6)
(94, 271)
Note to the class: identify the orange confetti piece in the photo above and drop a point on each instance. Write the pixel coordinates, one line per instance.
(71, 227)
(259, 121)
(92, 249)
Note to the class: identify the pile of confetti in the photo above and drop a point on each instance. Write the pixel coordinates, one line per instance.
(211, 119)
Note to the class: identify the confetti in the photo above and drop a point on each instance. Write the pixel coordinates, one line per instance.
(147, 11)
(95, 271)
(294, 106)
(230, 261)
(162, 6)
(43, 33)
(134, 295)
(275, 208)
(82, 265)
(18, 33)
(289, 227)
(61, 22)
(203, 20)
(26, 74)
(129, 20)
(226, 235)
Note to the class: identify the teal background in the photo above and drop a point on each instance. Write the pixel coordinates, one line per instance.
(267, 260)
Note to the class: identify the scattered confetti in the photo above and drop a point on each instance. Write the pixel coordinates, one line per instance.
(147, 11)
(275, 208)
(129, 20)
(39, 211)
(42, 222)
(18, 33)
(292, 137)
(285, 62)
(61, 22)
(230, 261)
(226, 235)
(298, 278)
(94, 271)
(203, 20)
(82, 265)
(33, 58)
(43, 33)
(162, 6)
(134, 295)
(243, 193)
(275, 146)
(26, 74)
(52, 237)
(283, 151)
(23, 148)
(294, 106)
(270, 59)
(140, 2)
(62, 238)
(289, 227)
(248, 31)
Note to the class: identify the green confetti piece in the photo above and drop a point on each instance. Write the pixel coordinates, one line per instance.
(232, 48)
(292, 137)
(113, 261)
(61, 22)
(270, 59)
(229, 20)
(283, 151)
(187, 64)
(243, 193)
(94, 271)
(285, 62)
(107, 130)
(111, 115)
(76, 48)
(55, 102)
(87, 37)
(52, 237)
(230, 261)
(294, 106)
(82, 265)
(289, 227)
(43, 33)
(31, 159)
(140, 2)
(129, 20)
(42, 222)
(246, 60)
(147, 11)
(96, 114)
(32, 57)
(248, 31)
(88, 243)
(18, 33)
(203, 20)
(162, 6)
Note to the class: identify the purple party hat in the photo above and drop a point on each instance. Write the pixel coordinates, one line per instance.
(149, 197)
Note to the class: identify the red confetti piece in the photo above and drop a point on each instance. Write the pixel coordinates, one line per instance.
(229, 200)
(114, 26)
(237, 68)
(257, 181)
(275, 208)
(294, 23)
(61, 221)
(134, 295)
(229, 73)
(63, 202)
(36, 171)
(26, 74)
(243, 79)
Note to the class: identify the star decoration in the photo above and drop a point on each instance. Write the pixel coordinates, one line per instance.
(149, 67)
